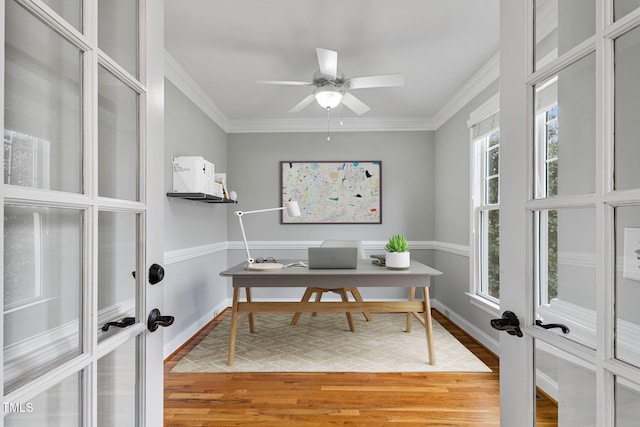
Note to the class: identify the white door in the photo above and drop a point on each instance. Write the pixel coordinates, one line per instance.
(82, 203)
(570, 212)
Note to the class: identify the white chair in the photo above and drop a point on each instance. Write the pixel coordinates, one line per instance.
(343, 292)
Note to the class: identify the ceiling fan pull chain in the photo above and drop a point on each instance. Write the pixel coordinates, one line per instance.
(328, 124)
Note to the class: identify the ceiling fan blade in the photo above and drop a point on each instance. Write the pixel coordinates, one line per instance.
(282, 82)
(328, 62)
(354, 104)
(383, 80)
(302, 104)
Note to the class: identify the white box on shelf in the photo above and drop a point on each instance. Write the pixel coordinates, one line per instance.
(192, 174)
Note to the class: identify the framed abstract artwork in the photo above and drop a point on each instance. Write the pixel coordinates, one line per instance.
(332, 192)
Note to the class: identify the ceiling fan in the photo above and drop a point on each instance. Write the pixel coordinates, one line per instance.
(332, 88)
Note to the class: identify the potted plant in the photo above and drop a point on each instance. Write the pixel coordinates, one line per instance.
(398, 255)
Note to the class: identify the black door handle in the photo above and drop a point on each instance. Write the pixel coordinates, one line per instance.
(156, 274)
(508, 323)
(127, 321)
(156, 319)
(565, 329)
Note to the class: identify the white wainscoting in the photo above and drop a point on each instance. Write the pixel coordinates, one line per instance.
(180, 255)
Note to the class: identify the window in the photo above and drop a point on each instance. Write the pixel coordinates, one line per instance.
(547, 145)
(485, 206)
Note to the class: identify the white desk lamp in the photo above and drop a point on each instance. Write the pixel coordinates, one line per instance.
(292, 210)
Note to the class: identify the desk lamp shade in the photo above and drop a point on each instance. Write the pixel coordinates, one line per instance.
(292, 209)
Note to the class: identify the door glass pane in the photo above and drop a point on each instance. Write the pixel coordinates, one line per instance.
(567, 272)
(622, 7)
(118, 386)
(117, 257)
(70, 10)
(42, 135)
(117, 138)
(627, 398)
(627, 284)
(59, 406)
(565, 131)
(42, 290)
(118, 32)
(565, 388)
(561, 25)
(627, 110)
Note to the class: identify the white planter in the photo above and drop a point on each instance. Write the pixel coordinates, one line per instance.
(398, 260)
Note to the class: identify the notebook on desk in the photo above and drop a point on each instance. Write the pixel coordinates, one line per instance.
(325, 257)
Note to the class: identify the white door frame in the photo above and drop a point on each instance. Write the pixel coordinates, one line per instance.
(516, 353)
(153, 38)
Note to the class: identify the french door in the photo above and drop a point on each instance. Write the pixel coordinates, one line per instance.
(82, 205)
(570, 211)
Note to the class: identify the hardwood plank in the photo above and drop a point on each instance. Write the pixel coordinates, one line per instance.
(338, 399)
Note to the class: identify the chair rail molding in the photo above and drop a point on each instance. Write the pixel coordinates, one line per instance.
(185, 254)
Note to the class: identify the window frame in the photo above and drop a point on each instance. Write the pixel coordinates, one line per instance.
(480, 208)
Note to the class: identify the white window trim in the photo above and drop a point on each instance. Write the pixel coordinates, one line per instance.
(484, 302)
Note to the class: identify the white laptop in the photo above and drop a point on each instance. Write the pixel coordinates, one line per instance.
(326, 257)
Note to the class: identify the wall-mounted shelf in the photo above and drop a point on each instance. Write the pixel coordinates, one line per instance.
(200, 197)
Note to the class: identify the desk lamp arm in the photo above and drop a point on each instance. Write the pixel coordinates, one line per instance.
(292, 209)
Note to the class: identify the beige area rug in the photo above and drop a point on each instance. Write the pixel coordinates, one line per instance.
(325, 344)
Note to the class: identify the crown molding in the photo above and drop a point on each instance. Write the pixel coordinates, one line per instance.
(356, 124)
(480, 81)
(179, 77)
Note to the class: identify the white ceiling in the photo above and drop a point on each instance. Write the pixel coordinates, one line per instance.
(225, 45)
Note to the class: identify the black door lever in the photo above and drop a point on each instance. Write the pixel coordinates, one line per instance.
(508, 323)
(156, 319)
(565, 329)
(127, 321)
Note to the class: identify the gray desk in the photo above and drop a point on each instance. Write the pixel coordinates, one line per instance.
(366, 275)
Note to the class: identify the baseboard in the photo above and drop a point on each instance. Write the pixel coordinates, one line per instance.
(479, 335)
(190, 331)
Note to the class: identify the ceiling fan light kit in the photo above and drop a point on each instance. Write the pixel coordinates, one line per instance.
(332, 88)
(328, 96)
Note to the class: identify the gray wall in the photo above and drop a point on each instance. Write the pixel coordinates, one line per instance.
(407, 182)
(193, 289)
(452, 213)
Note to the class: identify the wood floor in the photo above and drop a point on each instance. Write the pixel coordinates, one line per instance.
(338, 399)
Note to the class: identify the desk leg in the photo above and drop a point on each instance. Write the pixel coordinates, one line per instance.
(234, 326)
(428, 325)
(412, 297)
(251, 323)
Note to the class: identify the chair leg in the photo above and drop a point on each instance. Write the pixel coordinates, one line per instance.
(345, 298)
(319, 293)
(356, 295)
(305, 298)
